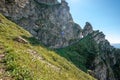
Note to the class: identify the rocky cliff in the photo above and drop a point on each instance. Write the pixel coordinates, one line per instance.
(48, 20)
(107, 57)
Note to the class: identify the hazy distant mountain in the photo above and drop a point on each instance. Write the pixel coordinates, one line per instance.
(117, 45)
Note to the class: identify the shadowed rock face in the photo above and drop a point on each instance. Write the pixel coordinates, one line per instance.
(48, 20)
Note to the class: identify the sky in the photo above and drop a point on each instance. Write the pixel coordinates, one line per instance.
(104, 15)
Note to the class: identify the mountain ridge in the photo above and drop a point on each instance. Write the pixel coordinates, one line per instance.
(51, 23)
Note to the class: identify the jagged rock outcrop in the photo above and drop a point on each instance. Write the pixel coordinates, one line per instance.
(107, 56)
(98, 36)
(48, 20)
(87, 29)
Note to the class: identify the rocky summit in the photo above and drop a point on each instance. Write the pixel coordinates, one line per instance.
(48, 20)
(51, 23)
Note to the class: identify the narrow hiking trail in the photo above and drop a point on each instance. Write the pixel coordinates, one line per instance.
(41, 59)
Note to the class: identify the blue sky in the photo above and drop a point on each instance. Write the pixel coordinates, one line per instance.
(104, 15)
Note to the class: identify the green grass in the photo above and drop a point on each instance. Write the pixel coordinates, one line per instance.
(33, 61)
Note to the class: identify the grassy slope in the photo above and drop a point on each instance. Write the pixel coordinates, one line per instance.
(32, 61)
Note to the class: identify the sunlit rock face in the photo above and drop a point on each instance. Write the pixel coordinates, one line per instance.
(48, 20)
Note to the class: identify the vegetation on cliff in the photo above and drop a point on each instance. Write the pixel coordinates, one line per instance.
(82, 53)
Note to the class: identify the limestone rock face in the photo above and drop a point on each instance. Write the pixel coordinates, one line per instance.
(48, 20)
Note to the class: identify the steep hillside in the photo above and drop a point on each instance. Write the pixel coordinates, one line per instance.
(22, 57)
